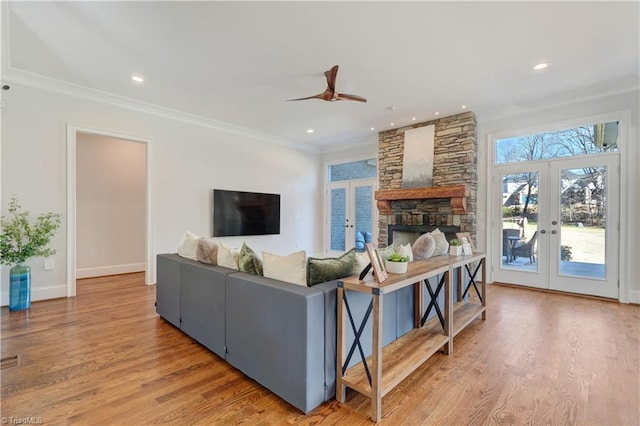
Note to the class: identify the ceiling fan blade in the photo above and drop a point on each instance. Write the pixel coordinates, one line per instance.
(327, 95)
(346, 97)
(318, 96)
(331, 78)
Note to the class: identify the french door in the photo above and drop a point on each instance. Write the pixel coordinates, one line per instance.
(350, 214)
(557, 224)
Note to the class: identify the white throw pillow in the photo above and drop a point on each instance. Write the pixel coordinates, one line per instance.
(405, 250)
(424, 247)
(228, 256)
(442, 245)
(387, 251)
(291, 268)
(362, 260)
(188, 245)
(207, 251)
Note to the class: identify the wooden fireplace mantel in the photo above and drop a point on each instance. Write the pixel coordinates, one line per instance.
(457, 195)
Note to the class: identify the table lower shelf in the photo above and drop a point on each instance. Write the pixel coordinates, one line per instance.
(402, 356)
(464, 313)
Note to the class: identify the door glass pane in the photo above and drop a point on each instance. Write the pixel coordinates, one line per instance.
(582, 140)
(338, 218)
(583, 218)
(520, 221)
(363, 211)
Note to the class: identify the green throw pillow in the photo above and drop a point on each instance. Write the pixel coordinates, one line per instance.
(249, 262)
(330, 268)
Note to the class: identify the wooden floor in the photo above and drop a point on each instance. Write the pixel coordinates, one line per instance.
(105, 357)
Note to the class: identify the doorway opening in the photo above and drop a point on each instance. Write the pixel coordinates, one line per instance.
(108, 204)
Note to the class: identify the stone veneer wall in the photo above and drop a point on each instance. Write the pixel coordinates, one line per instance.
(455, 162)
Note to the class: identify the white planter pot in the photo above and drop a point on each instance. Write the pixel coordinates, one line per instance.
(455, 250)
(396, 267)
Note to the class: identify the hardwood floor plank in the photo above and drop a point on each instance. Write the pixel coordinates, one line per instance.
(105, 357)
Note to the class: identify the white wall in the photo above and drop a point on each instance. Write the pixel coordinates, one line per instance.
(630, 155)
(188, 161)
(110, 205)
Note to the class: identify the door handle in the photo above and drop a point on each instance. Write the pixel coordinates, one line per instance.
(554, 232)
(555, 222)
(543, 231)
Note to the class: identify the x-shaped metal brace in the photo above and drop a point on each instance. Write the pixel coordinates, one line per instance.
(358, 333)
(472, 280)
(434, 301)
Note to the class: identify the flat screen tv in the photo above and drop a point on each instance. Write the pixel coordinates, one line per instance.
(245, 213)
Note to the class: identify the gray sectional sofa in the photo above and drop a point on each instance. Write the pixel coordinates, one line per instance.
(279, 334)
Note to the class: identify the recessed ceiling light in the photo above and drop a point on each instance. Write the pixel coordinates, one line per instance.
(437, 113)
(463, 107)
(540, 66)
(309, 130)
(413, 119)
(372, 129)
(391, 124)
(137, 79)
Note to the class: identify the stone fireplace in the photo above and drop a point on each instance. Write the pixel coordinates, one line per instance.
(450, 204)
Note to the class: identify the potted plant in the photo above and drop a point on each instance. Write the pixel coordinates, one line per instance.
(22, 239)
(396, 263)
(455, 247)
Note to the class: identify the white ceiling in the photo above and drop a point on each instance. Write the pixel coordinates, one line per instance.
(238, 62)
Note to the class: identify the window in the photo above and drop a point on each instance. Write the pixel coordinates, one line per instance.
(582, 140)
(364, 169)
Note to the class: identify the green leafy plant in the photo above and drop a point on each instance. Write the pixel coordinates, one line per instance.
(455, 242)
(21, 238)
(397, 257)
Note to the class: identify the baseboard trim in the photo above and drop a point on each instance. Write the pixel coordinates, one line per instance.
(109, 270)
(39, 293)
(634, 296)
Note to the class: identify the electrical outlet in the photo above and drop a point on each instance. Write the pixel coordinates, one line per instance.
(49, 264)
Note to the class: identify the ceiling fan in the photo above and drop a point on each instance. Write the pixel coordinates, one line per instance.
(330, 94)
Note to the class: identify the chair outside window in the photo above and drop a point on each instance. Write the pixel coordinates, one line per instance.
(527, 249)
(506, 244)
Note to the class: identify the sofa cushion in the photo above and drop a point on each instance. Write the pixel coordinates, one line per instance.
(275, 335)
(248, 261)
(207, 251)
(291, 268)
(405, 250)
(228, 256)
(442, 245)
(424, 247)
(320, 270)
(362, 260)
(387, 251)
(187, 247)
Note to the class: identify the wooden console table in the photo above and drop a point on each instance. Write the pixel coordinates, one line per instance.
(407, 353)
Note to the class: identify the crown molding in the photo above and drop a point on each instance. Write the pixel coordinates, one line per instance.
(16, 76)
(563, 99)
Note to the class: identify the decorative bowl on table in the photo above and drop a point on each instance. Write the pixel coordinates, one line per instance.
(396, 264)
